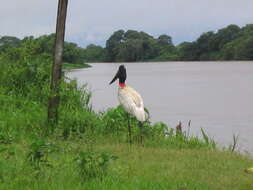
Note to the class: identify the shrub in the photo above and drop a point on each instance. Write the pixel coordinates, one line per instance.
(38, 154)
(93, 165)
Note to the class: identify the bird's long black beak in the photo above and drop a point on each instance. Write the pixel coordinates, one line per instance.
(115, 77)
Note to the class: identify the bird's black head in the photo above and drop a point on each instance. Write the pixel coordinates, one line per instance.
(121, 75)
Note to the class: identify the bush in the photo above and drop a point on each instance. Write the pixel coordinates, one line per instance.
(39, 151)
(93, 165)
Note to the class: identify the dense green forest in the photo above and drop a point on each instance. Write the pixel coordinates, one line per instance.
(229, 43)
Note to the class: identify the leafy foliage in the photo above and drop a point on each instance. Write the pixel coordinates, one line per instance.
(131, 46)
(7, 42)
(43, 45)
(39, 151)
(93, 53)
(229, 43)
(93, 165)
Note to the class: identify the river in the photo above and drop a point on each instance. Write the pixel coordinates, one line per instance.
(215, 96)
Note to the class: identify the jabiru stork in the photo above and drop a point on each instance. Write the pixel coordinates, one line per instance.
(130, 100)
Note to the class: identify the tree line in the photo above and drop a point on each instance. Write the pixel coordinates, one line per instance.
(229, 43)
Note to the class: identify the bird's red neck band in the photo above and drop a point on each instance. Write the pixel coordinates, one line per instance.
(122, 85)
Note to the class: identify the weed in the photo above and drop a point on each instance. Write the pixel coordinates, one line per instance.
(208, 140)
(39, 151)
(232, 147)
(6, 138)
(93, 165)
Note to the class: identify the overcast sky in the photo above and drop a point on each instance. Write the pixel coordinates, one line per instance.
(93, 21)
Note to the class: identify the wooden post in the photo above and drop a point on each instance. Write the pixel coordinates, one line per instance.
(54, 98)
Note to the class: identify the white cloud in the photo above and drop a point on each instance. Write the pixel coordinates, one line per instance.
(27, 17)
(94, 21)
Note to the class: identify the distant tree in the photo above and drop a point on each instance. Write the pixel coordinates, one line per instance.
(112, 45)
(72, 53)
(45, 44)
(247, 30)
(167, 50)
(130, 51)
(189, 51)
(211, 46)
(94, 53)
(165, 40)
(244, 51)
(132, 34)
(9, 42)
(136, 46)
(241, 48)
(229, 43)
(224, 36)
(228, 52)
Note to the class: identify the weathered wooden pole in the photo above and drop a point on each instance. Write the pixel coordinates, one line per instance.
(54, 98)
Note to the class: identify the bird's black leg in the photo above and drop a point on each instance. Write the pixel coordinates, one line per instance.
(129, 129)
(141, 132)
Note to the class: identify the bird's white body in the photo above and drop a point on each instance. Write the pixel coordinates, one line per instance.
(132, 102)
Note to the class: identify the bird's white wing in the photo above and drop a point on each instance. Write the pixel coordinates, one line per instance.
(136, 97)
(132, 102)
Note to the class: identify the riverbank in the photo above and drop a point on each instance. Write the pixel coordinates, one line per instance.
(70, 66)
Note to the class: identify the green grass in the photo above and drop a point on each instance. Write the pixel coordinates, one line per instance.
(136, 168)
(68, 66)
(89, 150)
